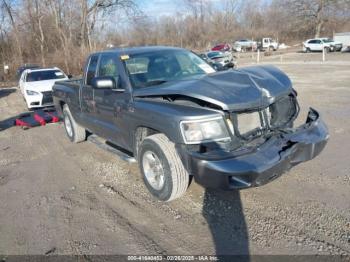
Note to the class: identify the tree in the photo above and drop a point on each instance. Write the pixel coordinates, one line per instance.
(90, 11)
(316, 12)
(36, 16)
(8, 9)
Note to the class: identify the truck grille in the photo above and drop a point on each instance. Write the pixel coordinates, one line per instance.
(47, 98)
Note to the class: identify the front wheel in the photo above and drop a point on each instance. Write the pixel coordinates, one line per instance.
(162, 170)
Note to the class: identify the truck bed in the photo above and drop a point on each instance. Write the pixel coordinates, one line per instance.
(71, 82)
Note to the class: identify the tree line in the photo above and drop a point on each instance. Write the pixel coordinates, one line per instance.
(62, 32)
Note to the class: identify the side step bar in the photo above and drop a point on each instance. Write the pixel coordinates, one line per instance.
(103, 144)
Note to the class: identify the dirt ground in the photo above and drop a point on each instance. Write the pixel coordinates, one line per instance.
(62, 198)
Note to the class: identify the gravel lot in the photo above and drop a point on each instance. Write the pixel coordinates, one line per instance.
(63, 198)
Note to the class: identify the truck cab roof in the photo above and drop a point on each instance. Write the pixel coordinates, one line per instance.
(138, 50)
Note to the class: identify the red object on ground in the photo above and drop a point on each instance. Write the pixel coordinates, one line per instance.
(37, 118)
(54, 116)
(19, 122)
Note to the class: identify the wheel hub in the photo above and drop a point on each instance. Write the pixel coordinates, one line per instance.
(68, 126)
(153, 170)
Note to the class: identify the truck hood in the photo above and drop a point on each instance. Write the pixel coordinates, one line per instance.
(233, 90)
(42, 86)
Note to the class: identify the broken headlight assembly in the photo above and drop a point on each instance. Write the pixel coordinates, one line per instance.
(243, 126)
(279, 115)
(206, 130)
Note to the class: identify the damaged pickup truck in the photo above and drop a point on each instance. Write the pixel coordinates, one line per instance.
(170, 110)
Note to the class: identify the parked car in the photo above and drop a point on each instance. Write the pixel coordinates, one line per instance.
(24, 67)
(268, 44)
(335, 45)
(36, 85)
(222, 47)
(317, 44)
(245, 44)
(171, 111)
(219, 60)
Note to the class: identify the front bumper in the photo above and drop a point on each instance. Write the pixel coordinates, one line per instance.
(40, 100)
(338, 47)
(266, 162)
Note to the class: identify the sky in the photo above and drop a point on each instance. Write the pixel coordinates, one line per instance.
(158, 8)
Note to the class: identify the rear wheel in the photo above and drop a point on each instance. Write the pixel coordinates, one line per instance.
(162, 170)
(75, 132)
(308, 50)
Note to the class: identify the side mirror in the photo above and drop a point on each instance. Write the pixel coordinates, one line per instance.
(70, 76)
(103, 82)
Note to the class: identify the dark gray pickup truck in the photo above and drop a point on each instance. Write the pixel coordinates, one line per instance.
(180, 119)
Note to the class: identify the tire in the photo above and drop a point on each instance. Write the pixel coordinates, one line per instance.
(327, 49)
(75, 133)
(308, 50)
(172, 179)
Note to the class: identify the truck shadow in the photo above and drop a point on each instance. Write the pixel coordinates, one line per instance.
(8, 123)
(6, 91)
(224, 214)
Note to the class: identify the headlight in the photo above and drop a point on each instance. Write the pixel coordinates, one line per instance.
(197, 131)
(32, 93)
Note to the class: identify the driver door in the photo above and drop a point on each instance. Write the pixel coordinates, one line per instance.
(87, 94)
(111, 105)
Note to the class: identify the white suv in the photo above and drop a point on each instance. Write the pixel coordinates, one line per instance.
(317, 44)
(337, 46)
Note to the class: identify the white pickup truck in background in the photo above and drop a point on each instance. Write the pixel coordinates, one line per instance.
(267, 44)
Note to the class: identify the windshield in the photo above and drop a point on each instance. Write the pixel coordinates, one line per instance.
(214, 54)
(327, 40)
(44, 75)
(155, 68)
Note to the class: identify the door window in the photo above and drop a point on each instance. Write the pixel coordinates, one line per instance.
(91, 70)
(109, 66)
